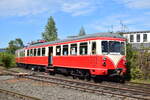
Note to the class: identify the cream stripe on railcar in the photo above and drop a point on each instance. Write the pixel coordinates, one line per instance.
(115, 59)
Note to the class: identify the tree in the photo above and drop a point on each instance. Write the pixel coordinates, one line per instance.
(19, 42)
(13, 45)
(50, 33)
(82, 31)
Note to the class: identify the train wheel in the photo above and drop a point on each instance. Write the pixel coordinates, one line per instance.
(88, 77)
(97, 79)
(81, 77)
(74, 77)
(51, 73)
(121, 79)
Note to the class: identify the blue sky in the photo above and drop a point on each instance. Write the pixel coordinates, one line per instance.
(26, 19)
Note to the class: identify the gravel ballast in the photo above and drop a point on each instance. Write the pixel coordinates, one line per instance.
(47, 91)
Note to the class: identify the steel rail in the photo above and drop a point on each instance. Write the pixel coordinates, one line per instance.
(18, 95)
(92, 87)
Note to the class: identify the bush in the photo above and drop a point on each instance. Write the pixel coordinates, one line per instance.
(136, 73)
(133, 69)
(7, 60)
(144, 63)
(138, 64)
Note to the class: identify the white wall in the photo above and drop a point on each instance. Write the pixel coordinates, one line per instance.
(135, 39)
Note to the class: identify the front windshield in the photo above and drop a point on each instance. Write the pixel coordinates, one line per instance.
(113, 47)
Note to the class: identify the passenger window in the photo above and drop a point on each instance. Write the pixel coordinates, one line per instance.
(104, 47)
(83, 48)
(93, 47)
(43, 51)
(23, 52)
(34, 52)
(28, 52)
(73, 49)
(58, 50)
(39, 52)
(31, 52)
(65, 49)
(20, 54)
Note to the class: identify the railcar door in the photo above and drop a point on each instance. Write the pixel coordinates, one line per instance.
(50, 56)
(93, 53)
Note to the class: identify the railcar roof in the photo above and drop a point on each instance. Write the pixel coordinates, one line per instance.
(113, 35)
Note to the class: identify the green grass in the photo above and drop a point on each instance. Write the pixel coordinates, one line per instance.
(141, 81)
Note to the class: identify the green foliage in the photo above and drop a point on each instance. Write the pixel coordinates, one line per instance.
(82, 31)
(50, 33)
(136, 73)
(144, 63)
(138, 64)
(131, 62)
(13, 45)
(7, 60)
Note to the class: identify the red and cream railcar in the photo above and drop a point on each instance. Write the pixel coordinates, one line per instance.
(100, 54)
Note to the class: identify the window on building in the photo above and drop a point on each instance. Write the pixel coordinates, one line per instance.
(58, 50)
(28, 51)
(73, 49)
(83, 48)
(65, 49)
(131, 38)
(144, 37)
(93, 47)
(138, 37)
(43, 51)
(34, 52)
(39, 52)
(104, 46)
(31, 52)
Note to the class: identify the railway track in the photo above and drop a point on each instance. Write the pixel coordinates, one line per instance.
(139, 84)
(136, 87)
(18, 95)
(8, 72)
(125, 92)
(129, 89)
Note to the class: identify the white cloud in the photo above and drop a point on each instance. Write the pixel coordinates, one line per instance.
(78, 8)
(135, 3)
(19, 7)
(31, 7)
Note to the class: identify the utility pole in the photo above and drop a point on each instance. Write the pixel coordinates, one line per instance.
(122, 26)
(112, 29)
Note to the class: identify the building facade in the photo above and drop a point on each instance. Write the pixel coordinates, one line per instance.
(138, 39)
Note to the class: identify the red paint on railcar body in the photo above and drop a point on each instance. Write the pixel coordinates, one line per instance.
(96, 64)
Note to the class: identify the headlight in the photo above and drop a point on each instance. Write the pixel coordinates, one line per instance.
(104, 58)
